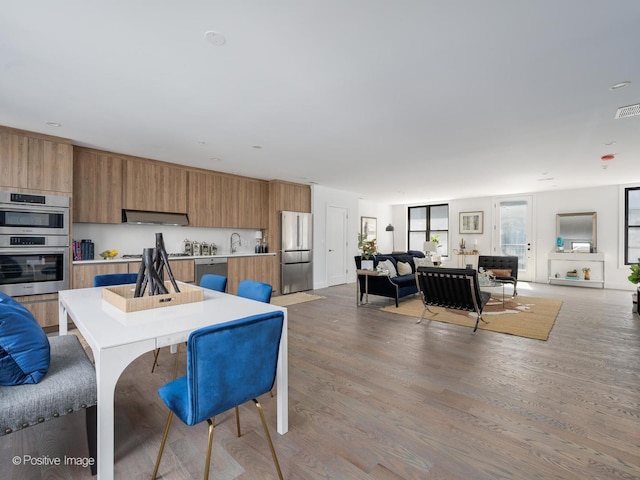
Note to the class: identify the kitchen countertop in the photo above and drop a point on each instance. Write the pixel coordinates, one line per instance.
(132, 260)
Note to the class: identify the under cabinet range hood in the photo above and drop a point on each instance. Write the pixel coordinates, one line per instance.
(154, 218)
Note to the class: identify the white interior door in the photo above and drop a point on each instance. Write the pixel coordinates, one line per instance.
(336, 245)
(513, 232)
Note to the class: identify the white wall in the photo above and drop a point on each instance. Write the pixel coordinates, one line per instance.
(606, 201)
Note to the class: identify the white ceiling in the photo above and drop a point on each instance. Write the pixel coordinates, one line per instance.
(399, 101)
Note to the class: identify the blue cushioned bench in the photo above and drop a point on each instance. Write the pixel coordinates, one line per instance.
(68, 386)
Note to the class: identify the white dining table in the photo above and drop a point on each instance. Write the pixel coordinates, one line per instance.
(117, 338)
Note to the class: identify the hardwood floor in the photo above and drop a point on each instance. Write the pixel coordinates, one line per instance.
(375, 396)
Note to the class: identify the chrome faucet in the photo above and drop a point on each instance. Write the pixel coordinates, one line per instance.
(234, 245)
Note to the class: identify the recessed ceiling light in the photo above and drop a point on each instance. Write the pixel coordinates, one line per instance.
(54, 124)
(215, 38)
(215, 159)
(257, 147)
(608, 144)
(619, 85)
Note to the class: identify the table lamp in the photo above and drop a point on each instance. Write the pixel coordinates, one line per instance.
(429, 248)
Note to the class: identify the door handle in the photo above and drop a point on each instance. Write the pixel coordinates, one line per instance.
(330, 250)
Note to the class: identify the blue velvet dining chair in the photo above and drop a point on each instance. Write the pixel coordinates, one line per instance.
(110, 279)
(258, 291)
(214, 282)
(227, 365)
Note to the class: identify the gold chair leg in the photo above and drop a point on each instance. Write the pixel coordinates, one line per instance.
(266, 432)
(156, 352)
(211, 422)
(175, 364)
(238, 420)
(164, 440)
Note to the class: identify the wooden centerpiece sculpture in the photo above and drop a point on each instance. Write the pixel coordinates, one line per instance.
(151, 274)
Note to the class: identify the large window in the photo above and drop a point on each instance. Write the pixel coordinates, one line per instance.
(632, 225)
(427, 223)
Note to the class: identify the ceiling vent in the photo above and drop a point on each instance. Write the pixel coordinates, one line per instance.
(628, 111)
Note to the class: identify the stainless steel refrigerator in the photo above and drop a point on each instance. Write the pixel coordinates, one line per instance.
(296, 266)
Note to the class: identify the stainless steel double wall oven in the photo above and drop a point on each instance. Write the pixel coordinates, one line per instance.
(34, 243)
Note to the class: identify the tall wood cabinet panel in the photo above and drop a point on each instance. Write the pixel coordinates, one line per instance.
(155, 186)
(33, 162)
(14, 149)
(97, 186)
(205, 193)
(229, 201)
(259, 268)
(50, 165)
(252, 204)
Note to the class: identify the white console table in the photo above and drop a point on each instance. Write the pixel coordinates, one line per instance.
(561, 263)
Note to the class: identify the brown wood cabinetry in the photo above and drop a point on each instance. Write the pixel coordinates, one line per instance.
(154, 186)
(43, 307)
(83, 274)
(252, 203)
(50, 166)
(227, 201)
(14, 149)
(183, 270)
(33, 162)
(259, 268)
(97, 186)
(204, 203)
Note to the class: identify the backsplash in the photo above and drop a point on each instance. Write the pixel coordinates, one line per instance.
(132, 239)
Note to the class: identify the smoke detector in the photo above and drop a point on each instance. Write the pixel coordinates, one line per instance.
(628, 111)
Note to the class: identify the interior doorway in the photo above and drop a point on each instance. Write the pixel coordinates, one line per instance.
(513, 232)
(336, 245)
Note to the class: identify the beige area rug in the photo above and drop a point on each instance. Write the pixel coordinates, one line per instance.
(528, 317)
(293, 298)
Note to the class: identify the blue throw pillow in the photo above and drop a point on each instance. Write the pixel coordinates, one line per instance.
(24, 347)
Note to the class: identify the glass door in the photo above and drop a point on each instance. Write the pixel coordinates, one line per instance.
(513, 233)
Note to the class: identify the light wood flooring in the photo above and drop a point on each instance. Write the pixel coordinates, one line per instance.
(373, 395)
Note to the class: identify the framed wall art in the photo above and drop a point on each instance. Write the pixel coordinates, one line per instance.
(471, 222)
(369, 227)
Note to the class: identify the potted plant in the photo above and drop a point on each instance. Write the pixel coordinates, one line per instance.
(368, 248)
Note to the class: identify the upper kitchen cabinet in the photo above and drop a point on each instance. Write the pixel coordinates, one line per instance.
(204, 202)
(13, 159)
(226, 201)
(287, 196)
(97, 186)
(253, 203)
(154, 186)
(33, 162)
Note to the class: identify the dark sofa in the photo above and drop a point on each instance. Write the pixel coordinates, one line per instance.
(391, 287)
